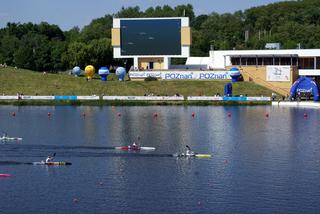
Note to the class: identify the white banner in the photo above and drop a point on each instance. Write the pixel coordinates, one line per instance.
(141, 98)
(205, 98)
(144, 74)
(259, 98)
(278, 73)
(195, 75)
(94, 97)
(8, 97)
(24, 97)
(182, 75)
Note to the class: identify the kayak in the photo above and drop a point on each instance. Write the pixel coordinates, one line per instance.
(138, 148)
(190, 156)
(10, 138)
(52, 163)
(203, 155)
(5, 175)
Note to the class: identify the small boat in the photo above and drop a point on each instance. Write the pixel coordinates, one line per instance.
(4, 175)
(135, 148)
(61, 163)
(193, 155)
(5, 138)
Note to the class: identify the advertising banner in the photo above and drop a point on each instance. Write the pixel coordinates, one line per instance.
(195, 75)
(144, 74)
(204, 98)
(182, 75)
(278, 73)
(93, 97)
(141, 98)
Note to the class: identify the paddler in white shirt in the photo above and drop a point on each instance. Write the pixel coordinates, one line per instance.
(189, 152)
(134, 146)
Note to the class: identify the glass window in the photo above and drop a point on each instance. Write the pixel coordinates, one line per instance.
(251, 61)
(243, 61)
(306, 63)
(268, 61)
(318, 62)
(235, 61)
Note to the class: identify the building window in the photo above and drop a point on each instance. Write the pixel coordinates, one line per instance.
(235, 61)
(243, 61)
(251, 61)
(268, 61)
(306, 63)
(318, 62)
(286, 61)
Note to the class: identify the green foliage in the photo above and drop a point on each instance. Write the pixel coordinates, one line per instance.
(46, 47)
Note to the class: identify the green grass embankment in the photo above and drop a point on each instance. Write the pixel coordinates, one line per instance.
(13, 81)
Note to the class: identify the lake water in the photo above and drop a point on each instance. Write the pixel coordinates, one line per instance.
(260, 163)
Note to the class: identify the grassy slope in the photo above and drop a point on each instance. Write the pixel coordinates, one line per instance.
(28, 82)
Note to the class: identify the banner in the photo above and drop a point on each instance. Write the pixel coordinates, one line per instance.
(182, 75)
(204, 98)
(278, 73)
(93, 97)
(144, 74)
(37, 97)
(65, 97)
(195, 75)
(144, 98)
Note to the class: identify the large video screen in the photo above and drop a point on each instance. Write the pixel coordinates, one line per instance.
(150, 37)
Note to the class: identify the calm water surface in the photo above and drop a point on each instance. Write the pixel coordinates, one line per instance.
(259, 165)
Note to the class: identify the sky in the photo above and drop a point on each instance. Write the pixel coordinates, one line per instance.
(69, 13)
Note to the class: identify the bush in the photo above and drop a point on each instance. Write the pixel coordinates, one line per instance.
(151, 79)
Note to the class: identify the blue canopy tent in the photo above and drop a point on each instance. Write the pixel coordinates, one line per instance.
(305, 87)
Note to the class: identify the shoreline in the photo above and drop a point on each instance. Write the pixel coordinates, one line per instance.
(129, 103)
(94, 100)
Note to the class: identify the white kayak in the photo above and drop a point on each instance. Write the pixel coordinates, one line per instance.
(52, 163)
(192, 155)
(136, 148)
(10, 138)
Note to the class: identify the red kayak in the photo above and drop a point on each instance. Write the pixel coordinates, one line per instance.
(135, 148)
(5, 175)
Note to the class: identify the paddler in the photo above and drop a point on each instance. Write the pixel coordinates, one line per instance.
(49, 159)
(189, 152)
(134, 146)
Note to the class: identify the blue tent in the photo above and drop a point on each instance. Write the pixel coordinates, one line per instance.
(305, 86)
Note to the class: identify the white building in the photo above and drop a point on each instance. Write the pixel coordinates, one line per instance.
(306, 60)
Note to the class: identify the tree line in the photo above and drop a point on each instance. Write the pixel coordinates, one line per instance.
(45, 47)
